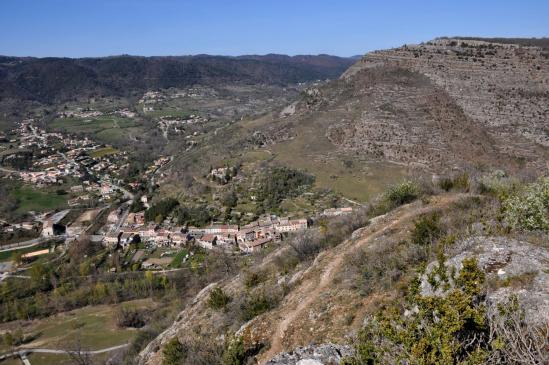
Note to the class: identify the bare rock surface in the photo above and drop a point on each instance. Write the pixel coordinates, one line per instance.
(326, 354)
(505, 261)
(502, 87)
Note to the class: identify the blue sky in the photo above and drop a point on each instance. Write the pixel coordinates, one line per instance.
(78, 28)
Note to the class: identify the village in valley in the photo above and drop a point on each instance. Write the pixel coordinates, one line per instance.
(103, 205)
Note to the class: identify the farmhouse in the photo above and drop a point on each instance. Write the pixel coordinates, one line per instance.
(334, 212)
(207, 241)
(254, 246)
(286, 225)
(221, 229)
(111, 239)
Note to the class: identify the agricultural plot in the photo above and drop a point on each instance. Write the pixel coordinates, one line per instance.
(94, 328)
(109, 129)
(30, 199)
(101, 152)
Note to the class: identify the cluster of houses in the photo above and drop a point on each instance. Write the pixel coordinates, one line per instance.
(249, 238)
(335, 212)
(152, 169)
(223, 174)
(89, 113)
(49, 176)
(52, 166)
(103, 191)
(126, 113)
(175, 125)
(151, 97)
(79, 113)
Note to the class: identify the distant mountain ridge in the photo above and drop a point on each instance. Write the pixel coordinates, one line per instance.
(53, 79)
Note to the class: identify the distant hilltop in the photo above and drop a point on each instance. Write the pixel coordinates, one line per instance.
(48, 80)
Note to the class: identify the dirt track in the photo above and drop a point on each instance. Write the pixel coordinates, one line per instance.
(330, 262)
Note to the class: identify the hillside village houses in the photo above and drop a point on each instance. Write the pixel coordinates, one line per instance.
(50, 166)
(249, 238)
(78, 161)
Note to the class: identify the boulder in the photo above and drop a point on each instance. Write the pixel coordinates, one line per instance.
(326, 354)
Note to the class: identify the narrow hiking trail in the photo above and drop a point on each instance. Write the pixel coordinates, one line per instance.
(328, 263)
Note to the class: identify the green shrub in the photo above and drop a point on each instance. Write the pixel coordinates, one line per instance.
(446, 183)
(174, 352)
(218, 299)
(426, 229)
(198, 215)
(529, 209)
(234, 353)
(449, 329)
(458, 182)
(395, 196)
(254, 278)
(281, 183)
(402, 193)
(256, 305)
(497, 184)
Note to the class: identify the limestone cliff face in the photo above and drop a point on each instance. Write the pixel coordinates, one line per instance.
(502, 88)
(439, 105)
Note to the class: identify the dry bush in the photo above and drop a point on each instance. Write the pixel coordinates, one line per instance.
(459, 182)
(516, 341)
(201, 350)
(307, 244)
(330, 233)
(252, 278)
(130, 317)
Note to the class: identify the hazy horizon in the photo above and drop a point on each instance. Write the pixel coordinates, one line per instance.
(170, 28)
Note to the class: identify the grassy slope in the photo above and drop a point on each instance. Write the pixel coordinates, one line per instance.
(37, 200)
(57, 359)
(311, 151)
(94, 326)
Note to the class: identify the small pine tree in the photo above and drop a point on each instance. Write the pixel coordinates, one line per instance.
(173, 352)
(234, 353)
(218, 299)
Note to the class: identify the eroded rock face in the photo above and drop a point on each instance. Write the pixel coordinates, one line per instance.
(326, 354)
(511, 266)
(504, 88)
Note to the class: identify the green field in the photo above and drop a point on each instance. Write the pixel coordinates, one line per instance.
(58, 359)
(178, 258)
(360, 182)
(7, 255)
(29, 199)
(311, 151)
(100, 152)
(108, 129)
(94, 327)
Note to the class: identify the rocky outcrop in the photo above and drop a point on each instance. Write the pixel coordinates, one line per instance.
(442, 105)
(326, 354)
(504, 88)
(511, 267)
